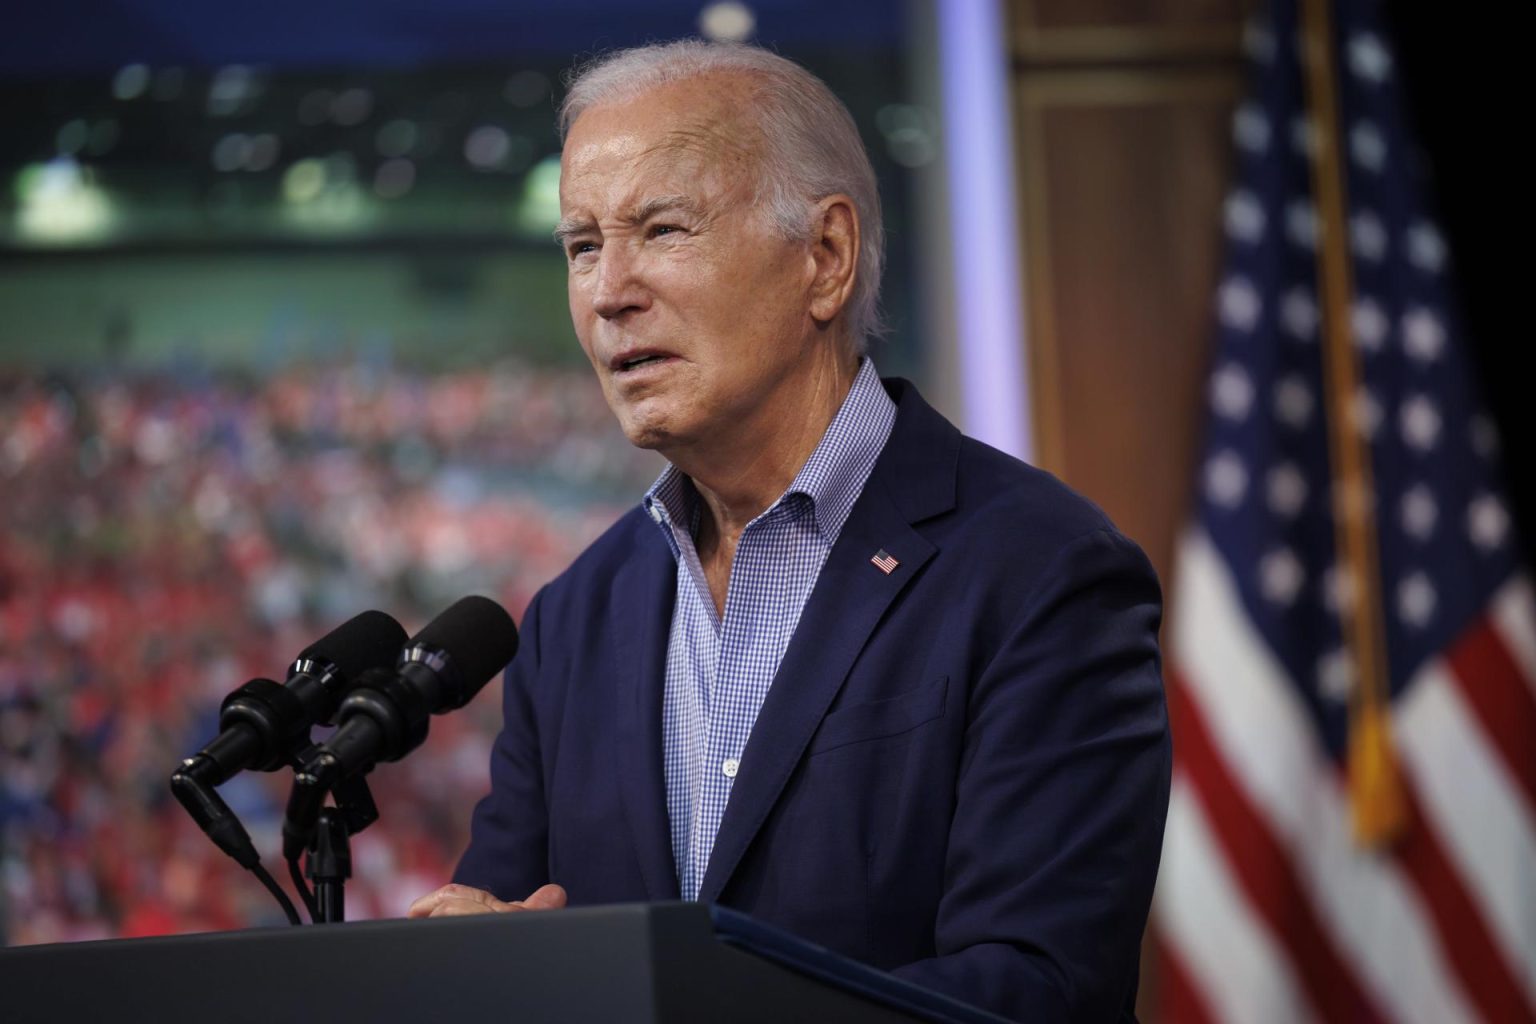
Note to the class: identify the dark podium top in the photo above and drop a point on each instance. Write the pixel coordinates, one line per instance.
(636, 963)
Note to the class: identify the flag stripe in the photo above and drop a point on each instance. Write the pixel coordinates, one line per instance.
(1496, 690)
(1475, 859)
(1514, 612)
(1464, 936)
(1262, 733)
(1232, 957)
(1179, 1000)
(1260, 863)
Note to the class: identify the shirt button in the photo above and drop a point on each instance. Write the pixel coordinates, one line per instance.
(730, 767)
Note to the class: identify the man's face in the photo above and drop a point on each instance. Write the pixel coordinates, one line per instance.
(694, 312)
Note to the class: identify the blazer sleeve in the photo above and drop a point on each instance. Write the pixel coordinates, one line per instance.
(508, 853)
(1061, 799)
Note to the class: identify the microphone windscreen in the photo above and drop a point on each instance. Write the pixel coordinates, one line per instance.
(370, 640)
(477, 635)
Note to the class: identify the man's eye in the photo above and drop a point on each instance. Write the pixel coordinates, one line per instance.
(576, 249)
(657, 230)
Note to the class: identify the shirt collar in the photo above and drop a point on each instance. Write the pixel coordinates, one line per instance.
(832, 478)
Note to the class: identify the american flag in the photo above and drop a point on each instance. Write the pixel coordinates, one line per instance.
(1269, 906)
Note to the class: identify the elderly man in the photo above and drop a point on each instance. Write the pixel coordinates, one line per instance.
(845, 669)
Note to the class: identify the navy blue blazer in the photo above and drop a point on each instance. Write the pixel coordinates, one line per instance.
(960, 773)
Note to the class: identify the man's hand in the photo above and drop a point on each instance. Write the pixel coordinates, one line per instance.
(457, 900)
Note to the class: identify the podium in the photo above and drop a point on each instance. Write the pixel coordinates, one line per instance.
(639, 963)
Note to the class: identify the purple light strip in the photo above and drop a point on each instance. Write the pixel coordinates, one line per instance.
(978, 145)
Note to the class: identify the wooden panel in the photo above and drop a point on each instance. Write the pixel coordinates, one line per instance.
(1128, 14)
(1115, 31)
(1124, 175)
(1122, 110)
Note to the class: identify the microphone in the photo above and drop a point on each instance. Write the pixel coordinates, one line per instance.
(262, 724)
(385, 713)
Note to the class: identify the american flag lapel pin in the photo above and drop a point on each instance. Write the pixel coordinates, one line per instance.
(884, 562)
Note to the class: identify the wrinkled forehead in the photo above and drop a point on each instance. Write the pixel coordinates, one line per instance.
(683, 131)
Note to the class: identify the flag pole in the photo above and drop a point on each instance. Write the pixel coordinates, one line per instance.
(1376, 798)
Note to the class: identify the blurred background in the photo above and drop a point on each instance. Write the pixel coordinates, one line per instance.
(283, 336)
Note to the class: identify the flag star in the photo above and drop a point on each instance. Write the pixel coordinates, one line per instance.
(1367, 236)
(1368, 58)
(1426, 249)
(1281, 576)
(1369, 325)
(1419, 421)
(1226, 479)
(1250, 128)
(1286, 490)
(1303, 135)
(1293, 401)
(1258, 41)
(1338, 590)
(1231, 392)
(1244, 217)
(1298, 313)
(1419, 512)
(1239, 304)
(1301, 223)
(1367, 146)
(1416, 599)
(1365, 411)
(1336, 675)
(1423, 335)
(1485, 437)
(1487, 522)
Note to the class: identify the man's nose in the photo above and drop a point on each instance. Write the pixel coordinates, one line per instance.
(619, 285)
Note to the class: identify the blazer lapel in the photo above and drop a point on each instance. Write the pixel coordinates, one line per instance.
(914, 479)
(847, 603)
(649, 585)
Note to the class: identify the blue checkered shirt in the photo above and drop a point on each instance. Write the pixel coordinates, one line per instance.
(719, 669)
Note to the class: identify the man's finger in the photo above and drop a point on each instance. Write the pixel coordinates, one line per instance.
(422, 906)
(454, 906)
(459, 900)
(545, 897)
(425, 906)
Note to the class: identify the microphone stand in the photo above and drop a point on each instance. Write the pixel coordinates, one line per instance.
(328, 859)
(322, 834)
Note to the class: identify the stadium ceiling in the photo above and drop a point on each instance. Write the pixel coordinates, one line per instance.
(46, 38)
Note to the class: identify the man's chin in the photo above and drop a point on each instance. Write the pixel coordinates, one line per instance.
(663, 426)
(648, 434)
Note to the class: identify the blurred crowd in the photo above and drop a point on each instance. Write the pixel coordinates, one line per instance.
(169, 535)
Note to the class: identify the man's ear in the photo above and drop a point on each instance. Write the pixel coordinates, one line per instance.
(835, 250)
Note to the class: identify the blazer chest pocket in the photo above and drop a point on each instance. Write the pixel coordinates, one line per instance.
(881, 718)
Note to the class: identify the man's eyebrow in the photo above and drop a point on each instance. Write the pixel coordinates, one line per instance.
(661, 204)
(637, 215)
(569, 226)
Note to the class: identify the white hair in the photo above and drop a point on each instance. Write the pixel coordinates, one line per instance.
(810, 147)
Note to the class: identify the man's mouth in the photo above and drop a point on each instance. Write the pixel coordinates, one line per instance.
(636, 361)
